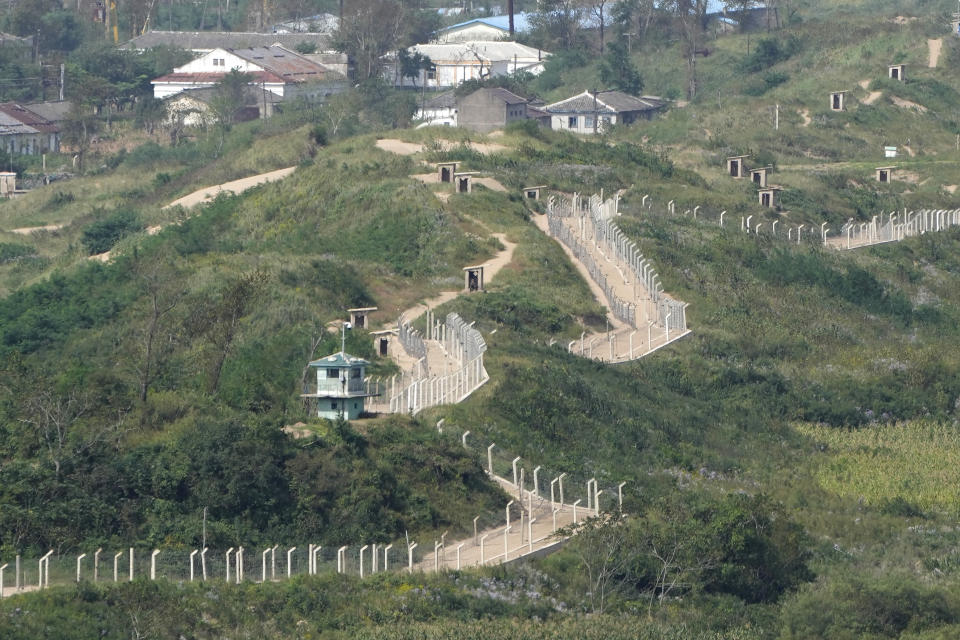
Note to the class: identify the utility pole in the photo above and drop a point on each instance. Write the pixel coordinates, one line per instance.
(62, 67)
(776, 122)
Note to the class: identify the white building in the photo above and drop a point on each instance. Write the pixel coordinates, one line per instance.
(455, 63)
(590, 112)
(490, 28)
(284, 73)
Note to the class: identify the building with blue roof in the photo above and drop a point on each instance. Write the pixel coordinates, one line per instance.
(489, 28)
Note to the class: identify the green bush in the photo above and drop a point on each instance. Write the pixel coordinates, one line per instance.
(104, 234)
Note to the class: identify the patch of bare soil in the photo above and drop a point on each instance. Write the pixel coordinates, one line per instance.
(935, 46)
(907, 104)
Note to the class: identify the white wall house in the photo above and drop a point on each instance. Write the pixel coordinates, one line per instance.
(454, 63)
(592, 112)
(282, 72)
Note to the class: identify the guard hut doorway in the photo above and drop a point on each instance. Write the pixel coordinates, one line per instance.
(533, 193)
(895, 72)
(463, 181)
(382, 340)
(885, 174)
(759, 176)
(769, 197)
(837, 99)
(358, 317)
(446, 170)
(736, 166)
(473, 278)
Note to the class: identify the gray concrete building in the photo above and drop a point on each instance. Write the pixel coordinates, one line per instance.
(488, 109)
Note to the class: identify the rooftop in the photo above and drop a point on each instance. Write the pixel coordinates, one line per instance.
(208, 40)
(340, 359)
(521, 22)
(477, 50)
(605, 101)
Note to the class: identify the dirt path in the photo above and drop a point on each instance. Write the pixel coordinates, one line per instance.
(409, 148)
(872, 96)
(236, 186)
(497, 548)
(935, 46)
(490, 269)
(805, 114)
(25, 231)
(621, 342)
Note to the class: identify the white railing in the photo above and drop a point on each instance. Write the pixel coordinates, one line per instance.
(413, 391)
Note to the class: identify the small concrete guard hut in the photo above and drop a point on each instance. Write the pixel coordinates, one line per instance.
(340, 390)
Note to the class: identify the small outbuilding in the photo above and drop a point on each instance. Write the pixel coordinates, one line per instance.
(769, 197)
(445, 171)
(533, 193)
(896, 71)
(358, 316)
(837, 100)
(736, 166)
(463, 181)
(885, 174)
(759, 176)
(473, 278)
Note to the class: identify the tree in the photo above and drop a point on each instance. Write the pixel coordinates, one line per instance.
(606, 553)
(690, 15)
(598, 9)
(409, 65)
(368, 30)
(618, 71)
(558, 23)
(163, 285)
(219, 318)
(229, 97)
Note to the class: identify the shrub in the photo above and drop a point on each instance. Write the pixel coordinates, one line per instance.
(103, 235)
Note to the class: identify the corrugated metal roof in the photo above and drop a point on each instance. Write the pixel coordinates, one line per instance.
(521, 22)
(27, 117)
(52, 111)
(11, 126)
(606, 102)
(212, 77)
(207, 40)
(282, 62)
(475, 51)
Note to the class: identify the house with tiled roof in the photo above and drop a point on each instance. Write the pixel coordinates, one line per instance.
(275, 70)
(591, 112)
(24, 131)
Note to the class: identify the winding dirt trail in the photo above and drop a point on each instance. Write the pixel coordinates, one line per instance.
(872, 96)
(490, 269)
(25, 231)
(235, 186)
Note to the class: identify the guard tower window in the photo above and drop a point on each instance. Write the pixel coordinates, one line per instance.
(333, 373)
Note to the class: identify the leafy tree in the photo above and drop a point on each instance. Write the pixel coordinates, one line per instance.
(690, 16)
(618, 71)
(409, 65)
(229, 97)
(557, 24)
(219, 318)
(368, 30)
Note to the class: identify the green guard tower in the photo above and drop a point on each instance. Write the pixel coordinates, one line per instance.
(341, 388)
